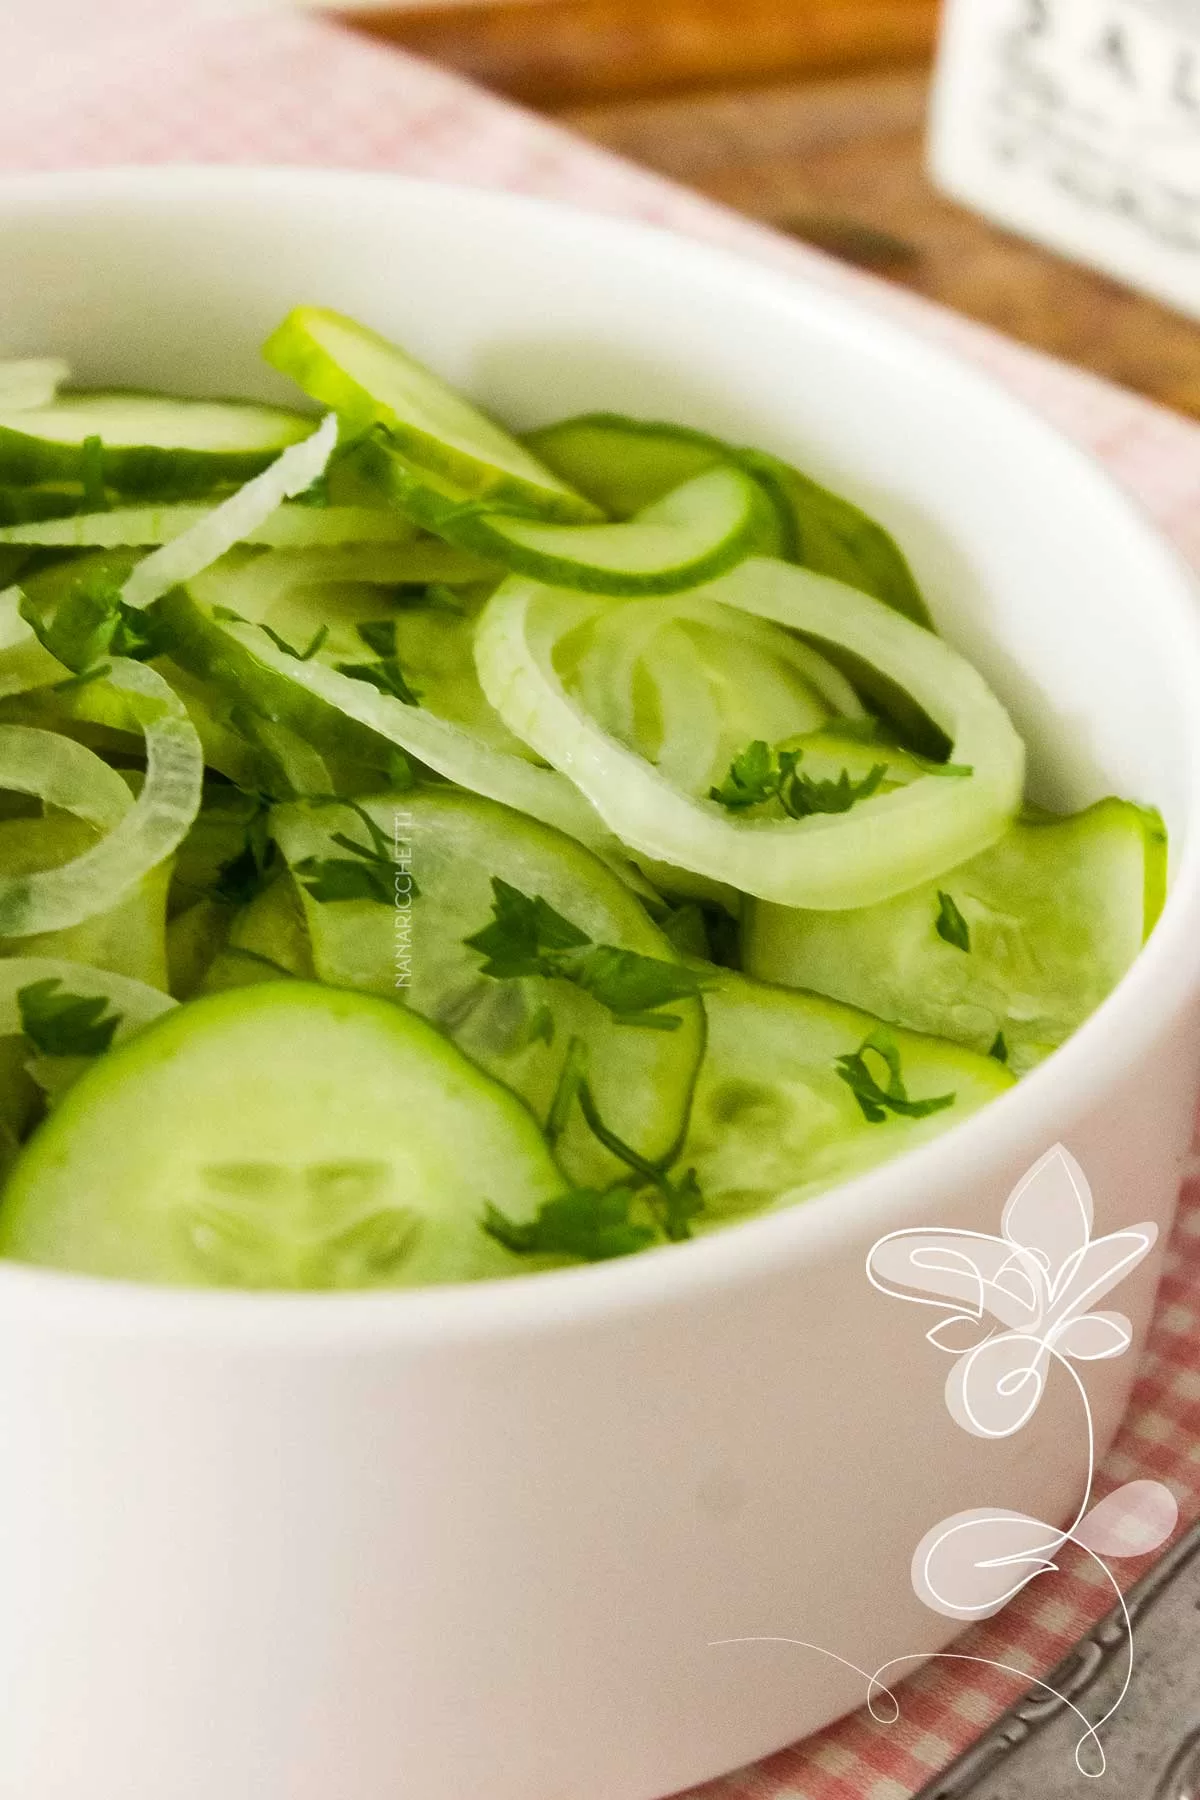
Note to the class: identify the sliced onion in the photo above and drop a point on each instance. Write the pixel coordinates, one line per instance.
(24, 662)
(63, 773)
(718, 678)
(287, 528)
(817, 670)
(689, 716)
(883, 846)
(136, 1003)
(31, 381)
(151, 828)
(226, 525)
(449, 749)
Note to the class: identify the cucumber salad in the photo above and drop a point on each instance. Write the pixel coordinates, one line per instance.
(429, 855)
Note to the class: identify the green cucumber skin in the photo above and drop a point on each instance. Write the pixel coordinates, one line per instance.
(137, 471)
(199, 644)
(652, 459)
(772, 1123)
(642, 1080)
(1043, 955)
(819, 529)
(1157, 868)
(29, 505)
(294, 350)
(473, 528)
(480, 534)
(153, 1154)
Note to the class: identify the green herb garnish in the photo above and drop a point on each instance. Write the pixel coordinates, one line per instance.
(951, 771)
(759, 775)
(386, 675)
(586, 1223)
(379, 635)
(245, 875)
(310, 649)
(91, 624)
(528, 937)
(65, 1024)
(368, 873)
(875, 1100)
(676, 1203)
(802, 796)
(753, 779)
(952, 928)
(999, 1048)
(595, 1224)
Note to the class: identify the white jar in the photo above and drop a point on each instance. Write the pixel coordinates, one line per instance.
(1077, 123)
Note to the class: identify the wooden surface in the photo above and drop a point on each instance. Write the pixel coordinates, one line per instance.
(555, 52)
(830, 148)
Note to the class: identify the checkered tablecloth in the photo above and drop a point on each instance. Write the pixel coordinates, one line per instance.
(148, 81)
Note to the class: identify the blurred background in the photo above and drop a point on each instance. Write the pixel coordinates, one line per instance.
(811, 116)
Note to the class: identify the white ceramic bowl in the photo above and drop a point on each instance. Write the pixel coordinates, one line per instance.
(474, 1543)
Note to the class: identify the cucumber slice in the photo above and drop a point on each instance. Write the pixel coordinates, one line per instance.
(370, 382)
(24, 505)
(626, 464)
(772, 1121)
(207, 648)
(366, 1159)
(290, 527)
(693, 534)
(194, 941)
(18, 1099)
(1056, 913)
(150, 444)
(348, 716)
(434, 648)
(128, 938)
(520, 1030)
(267, 940)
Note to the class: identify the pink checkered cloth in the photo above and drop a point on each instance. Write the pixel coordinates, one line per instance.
(122, 83)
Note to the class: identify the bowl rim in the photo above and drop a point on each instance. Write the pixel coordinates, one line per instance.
(1156, 991)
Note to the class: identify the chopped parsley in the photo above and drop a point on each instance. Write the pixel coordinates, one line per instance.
(91, 624)
(315, 643)
(368, 873)
(528, 937)
(65, 1024)
(952, 928)
(597, 1224)
(379, 635)
(759, 774)
(385, 674)
(753, 779)
(228, 616)
(252, 869)
(587, 1223)
(999, 1049)
(875, 1099)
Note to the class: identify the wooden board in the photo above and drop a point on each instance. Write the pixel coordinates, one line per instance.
(836, 158)
(841, 164)
(552, 52)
